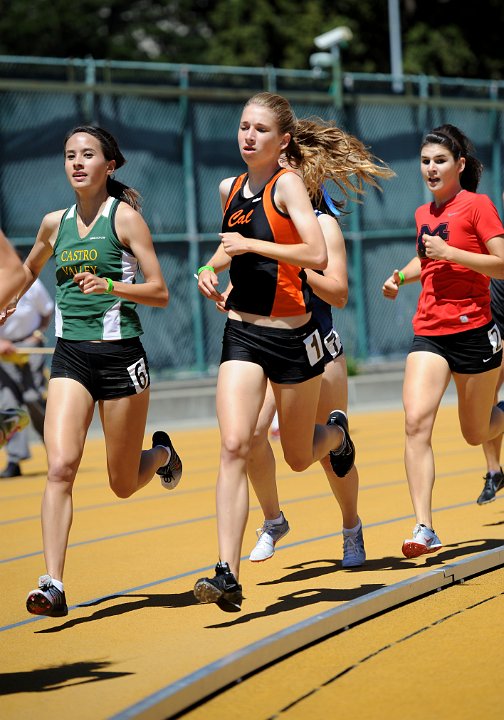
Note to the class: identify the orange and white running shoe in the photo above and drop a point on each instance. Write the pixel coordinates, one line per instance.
(424, 541)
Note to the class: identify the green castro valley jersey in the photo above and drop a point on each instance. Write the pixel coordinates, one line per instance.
(94, 316)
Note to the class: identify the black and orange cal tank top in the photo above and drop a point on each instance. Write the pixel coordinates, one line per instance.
(260, 285)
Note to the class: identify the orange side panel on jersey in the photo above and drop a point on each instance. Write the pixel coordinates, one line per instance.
(289, 300)
(237, 185)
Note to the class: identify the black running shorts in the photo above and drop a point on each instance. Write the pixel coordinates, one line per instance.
(286, 356)
(469, 353)
(108, 370)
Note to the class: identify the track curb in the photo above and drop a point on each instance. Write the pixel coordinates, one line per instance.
(192, 688)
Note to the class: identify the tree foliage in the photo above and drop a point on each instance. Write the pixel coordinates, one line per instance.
(439, 37)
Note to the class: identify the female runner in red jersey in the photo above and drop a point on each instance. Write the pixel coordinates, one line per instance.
(460, 244)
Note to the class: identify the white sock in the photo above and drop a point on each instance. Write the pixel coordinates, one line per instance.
(279, 520)
(57, 584)
(169, 454)
(354, 530)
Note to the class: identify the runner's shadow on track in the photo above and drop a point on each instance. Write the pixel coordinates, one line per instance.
(55, 678)
(457, 551)
(319, 568)
(175, 600)
(303, 598)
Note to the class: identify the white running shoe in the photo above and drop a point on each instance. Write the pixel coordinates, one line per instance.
(47, 599)
(423, 541)
(354, 554)
(268, 536)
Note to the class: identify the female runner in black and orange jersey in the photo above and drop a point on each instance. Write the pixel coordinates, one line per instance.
(270, 232)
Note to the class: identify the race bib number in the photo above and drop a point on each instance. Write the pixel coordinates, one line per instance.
(139, 375)
(332, 341)
(313, 345)
(495, 339)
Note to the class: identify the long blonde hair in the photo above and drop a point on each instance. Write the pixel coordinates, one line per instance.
(322, 151)
(329, 153)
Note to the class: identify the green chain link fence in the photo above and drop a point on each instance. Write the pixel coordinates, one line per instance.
(176, 126)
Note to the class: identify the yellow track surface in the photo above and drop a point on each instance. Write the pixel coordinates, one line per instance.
(135, 644)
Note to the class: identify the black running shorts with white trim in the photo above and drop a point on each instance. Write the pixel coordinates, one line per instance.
(468, 353)
(287, 356)
(108, 370)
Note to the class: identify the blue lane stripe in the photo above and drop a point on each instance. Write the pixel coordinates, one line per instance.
(140, 531)
(195, 571)
(211, 488)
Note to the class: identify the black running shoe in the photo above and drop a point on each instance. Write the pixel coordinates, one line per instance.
(170, 473)
(47, 599)
(499, 481)
(342, 462)
(222, 589)
(493, 483)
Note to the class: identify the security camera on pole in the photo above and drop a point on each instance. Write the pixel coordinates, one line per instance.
(332, 40)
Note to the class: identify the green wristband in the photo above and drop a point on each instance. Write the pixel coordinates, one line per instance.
(401, 277)
(110, 285)
(205, 267)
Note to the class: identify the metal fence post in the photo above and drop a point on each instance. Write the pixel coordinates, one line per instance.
(191, 222)
(89, 98)
(493, 117)
(358, 286)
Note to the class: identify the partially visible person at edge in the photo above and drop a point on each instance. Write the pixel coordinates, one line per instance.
(98, 356)
(494, 478)
(460, 244)
(330, 289)
(23, 380)
(270, 232)
(12, 278)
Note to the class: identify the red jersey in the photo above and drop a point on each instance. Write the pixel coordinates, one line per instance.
(263, 286)
(455, 298)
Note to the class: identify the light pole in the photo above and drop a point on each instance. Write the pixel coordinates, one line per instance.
(396, 64)
(332, 41)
